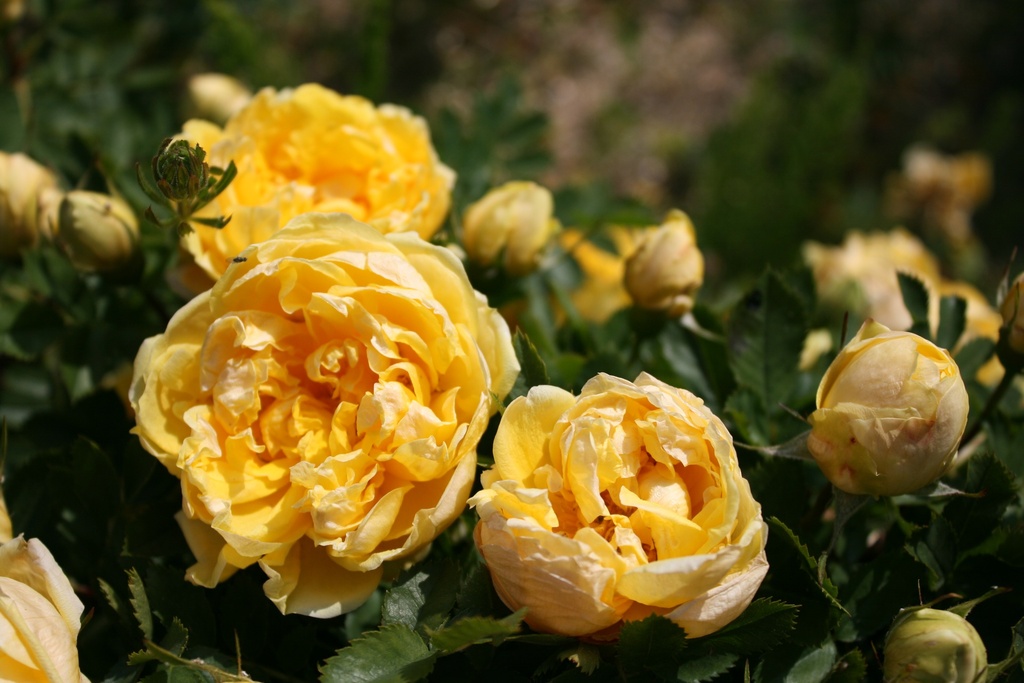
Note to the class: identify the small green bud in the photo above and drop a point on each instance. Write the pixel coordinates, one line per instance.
(933, 645)
(181, 171)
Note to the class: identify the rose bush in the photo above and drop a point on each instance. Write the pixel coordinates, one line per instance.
(322, 406)
(311, 149)
(891, 410)
(623, 502)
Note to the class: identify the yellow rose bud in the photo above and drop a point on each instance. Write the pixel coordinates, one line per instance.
(933, 645)
(1013, 316)
(98, 231)
(516, 218)
(620, 503)
(322, 406)
(217, 96)
(40, 616)
(667, 268)
(311, 149)
(891, 410)
(23, 183)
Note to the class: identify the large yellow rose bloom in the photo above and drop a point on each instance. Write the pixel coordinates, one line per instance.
(322, 405)
(623, 502)
(311, 149)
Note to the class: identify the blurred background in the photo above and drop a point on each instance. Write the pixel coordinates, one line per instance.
(769, 122)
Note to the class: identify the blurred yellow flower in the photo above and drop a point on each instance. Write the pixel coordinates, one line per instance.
(217, 96)
(322, 406)
(666, 269)
(99, 232)
(516, 219)
(26, 190)
(891, 410)
(603, 290)
(311, 149)
(40, 616)
(623, 502)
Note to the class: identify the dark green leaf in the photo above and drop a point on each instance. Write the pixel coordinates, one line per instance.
(766, 335)
(972, 519)
(707, 667)
(96, 478)
(471, 630)
(763, 625)
(935, 548)
(654, 647)
(915, 298)
(973, 355)
(176, 639)
(174, 600)
(532, 369)
(423, 596)
(952, 320)
(140, 604)
(851, 668)
(874, 593)
(28, 328)
(395, 654)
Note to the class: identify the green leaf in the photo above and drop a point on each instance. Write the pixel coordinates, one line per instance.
(423, 596)
(808, 563)
(173, 600)
(176, 639)
(707, 667)
(813, 664)
(972, 519)
(766, 335)
(935, 547)
(915, 298)
(27, 328)
(654, 646)
(874, 592)
(973, 355)
(851, 668)
(97, 480)
(473, 630)
(763, 625)
(532, 372)
(394, 654)
(140, 604)
(952, 320)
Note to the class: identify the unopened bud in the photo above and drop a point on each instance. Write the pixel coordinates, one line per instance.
(933, 645)
(98, 231)
(891, 410)
(181, 171)
(517, 218)
(667, 268)
(1011, 336)
(22, 185)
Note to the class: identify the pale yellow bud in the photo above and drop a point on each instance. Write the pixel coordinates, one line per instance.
(933, 645)
(667, 268)
(891, 410)
(1013, 316)
(216, 96)
(98, 231)
(516, 218)
(22, 184)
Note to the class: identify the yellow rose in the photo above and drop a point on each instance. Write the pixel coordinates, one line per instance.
(99, 232)
(1013, 315)
(23, 186)
(666, 269)
(602, 291)
(516, 218)
(891, 410)
(981, 321)
(623, 502)
(861, 273)
(217, 96)
(40, 616)
(933, 645)
(311, 149)
(322, 405)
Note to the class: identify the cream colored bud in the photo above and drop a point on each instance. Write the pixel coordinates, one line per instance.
(1013, 316)
(933, 645)
(891, 410)
(516, 218)
(98, 231)
(667, 268)
(23, 183)
(217, 96)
